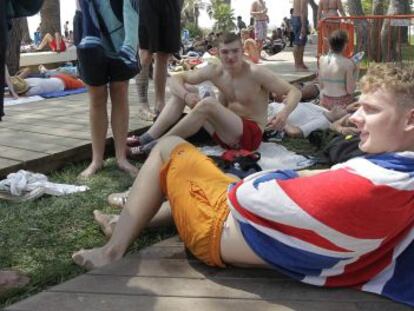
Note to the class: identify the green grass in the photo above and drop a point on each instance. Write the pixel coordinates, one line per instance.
(39, 237)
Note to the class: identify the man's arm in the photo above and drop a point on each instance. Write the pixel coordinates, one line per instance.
(9, 83)
(178, 81)
(273, 83)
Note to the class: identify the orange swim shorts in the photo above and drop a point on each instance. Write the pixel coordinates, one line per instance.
(197, 191)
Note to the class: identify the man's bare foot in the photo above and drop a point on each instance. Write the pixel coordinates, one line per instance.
(90, 170)
(92, 258)
(118, 199)
(107, 222)
(127, 167)
(146, 114)
(12, 279)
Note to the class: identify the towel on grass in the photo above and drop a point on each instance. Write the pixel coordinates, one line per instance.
(352, 226)
(25, 185)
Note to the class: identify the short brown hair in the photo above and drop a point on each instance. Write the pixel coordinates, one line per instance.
(229, 37)
(337, 40)
(397, 79)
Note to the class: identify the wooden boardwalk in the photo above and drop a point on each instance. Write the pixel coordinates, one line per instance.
(164, 277)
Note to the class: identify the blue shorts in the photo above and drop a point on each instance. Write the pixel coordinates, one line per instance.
(298, 40)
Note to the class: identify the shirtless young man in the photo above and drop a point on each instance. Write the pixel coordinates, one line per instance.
(320, 238)
(258, 11)
(300, 27)
(337, 74)
(237, 119)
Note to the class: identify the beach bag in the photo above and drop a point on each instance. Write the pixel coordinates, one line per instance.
(241, 162)
(340, 149)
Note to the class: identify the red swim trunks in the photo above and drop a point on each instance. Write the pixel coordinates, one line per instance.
(250, 139)
(53, 46)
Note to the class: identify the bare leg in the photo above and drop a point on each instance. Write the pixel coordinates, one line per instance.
(170, 114)
(108, 222)
(58, 39)
(119, 121)
(226, 124)
(160, 79)
(141, 81)
(98, 118)
(46, 40)
(143, 203)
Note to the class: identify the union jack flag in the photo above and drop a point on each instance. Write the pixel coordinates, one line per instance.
(352, 226)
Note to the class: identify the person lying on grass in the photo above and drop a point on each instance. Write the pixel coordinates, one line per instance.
(346, 226)
(237, 119)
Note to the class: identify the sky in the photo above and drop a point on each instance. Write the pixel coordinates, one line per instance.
(277, 10)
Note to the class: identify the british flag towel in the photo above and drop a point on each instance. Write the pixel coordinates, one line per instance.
(352, 226)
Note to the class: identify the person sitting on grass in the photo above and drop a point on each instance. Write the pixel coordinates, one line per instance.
(56, 43)
(337, 74)
(237, 119)
(355, 232)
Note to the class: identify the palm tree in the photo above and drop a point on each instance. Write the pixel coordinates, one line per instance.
(191, 11)
(50, 17)
(13, 46)
(223, 14)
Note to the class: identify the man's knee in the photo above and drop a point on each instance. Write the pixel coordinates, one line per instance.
(166, 145)
(207, 107)
(145, 57)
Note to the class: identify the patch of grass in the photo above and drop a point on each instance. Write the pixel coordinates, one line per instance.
(39, 237)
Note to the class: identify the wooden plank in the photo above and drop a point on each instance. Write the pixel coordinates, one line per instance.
(19, 154)
(81, 133)
(180, 268)
(48, 301)
(236, 288)
(4, 163)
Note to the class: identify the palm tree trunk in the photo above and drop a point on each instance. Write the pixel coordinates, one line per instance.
(390, 47)
(361, 26)
(375, 31)
(50, 17)
(13, 46)
(24, 28)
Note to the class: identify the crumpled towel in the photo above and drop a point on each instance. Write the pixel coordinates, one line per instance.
(23, 182)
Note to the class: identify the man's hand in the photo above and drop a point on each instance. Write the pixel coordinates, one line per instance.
(278, 122)
(303, 31)
(191, 99)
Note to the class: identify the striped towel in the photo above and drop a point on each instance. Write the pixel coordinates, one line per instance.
(352, 226)
(112, 25)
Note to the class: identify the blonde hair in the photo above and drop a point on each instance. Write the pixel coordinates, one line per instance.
(394, 78)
